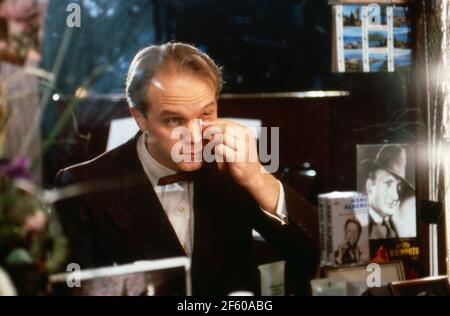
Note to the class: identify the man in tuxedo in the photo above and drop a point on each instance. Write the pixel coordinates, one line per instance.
(152, 198)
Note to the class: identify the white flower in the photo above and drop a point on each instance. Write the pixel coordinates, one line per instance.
(6, 286)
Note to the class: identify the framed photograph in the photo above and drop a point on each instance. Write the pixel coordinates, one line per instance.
(402, 37)
(378, 38)
(352, 37)
(390, 272)
(400, 16)
(378, 61)
(392, 208)
(402, 59)
(353, 60)
(433, 286)
(351, 15)
(365, 35)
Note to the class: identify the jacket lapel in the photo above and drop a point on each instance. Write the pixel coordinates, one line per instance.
(207, 219)
(150, 230)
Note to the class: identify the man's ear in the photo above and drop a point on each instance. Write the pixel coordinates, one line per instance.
(369, 184)
(139, 118)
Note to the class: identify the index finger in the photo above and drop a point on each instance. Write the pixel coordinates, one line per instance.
(222, 124)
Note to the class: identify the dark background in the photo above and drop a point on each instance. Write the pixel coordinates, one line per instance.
(263, 46)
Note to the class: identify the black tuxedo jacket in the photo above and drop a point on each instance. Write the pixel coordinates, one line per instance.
(116, 217)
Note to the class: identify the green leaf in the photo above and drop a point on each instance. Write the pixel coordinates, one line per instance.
(19, 256)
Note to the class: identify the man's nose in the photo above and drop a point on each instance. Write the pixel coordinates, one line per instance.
(394, 193)
(195, 131)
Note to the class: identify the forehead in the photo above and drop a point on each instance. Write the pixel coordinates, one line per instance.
(384, 176)
(352, 225)
(175, 88)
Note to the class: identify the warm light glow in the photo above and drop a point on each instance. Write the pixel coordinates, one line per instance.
(56, 97)
(80, 93)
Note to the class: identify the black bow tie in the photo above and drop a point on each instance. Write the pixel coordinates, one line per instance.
(179, 176)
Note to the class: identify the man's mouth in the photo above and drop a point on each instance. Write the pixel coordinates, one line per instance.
(392, 205)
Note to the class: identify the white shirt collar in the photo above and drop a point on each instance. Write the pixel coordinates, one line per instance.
(152, 168)
(377, 218)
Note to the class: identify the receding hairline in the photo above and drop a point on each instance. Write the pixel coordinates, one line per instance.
(172, 70)
(174, 58)
(171, 67)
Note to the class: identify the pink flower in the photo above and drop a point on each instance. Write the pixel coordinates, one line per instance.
(17, 168)
(16, 9)
(36, 223)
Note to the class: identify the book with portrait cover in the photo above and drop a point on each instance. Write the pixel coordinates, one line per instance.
(344, 232)
(386, 173)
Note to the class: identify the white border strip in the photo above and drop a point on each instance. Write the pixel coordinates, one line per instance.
(365, 39)
(139, 266)
(339, 38)
(390, 23)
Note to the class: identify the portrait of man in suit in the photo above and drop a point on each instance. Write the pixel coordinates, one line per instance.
(138, 202)
(390, 194)
(348, 251)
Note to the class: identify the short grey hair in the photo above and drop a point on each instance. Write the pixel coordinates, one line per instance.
(151, 59)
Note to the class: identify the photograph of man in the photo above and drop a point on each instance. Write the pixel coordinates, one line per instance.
(391, 195)
(139, 201)
(348, 251)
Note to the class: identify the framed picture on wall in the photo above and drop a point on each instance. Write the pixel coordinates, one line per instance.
(386, 173)
(370, 36)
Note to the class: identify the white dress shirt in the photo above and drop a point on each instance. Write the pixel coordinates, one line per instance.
(377, 218)
(177, 199)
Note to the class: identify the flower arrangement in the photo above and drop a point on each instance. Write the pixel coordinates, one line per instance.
(31, 243)
(20, 22)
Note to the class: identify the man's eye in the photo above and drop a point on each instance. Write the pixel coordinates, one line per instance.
(205, 114)
(173, 121)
